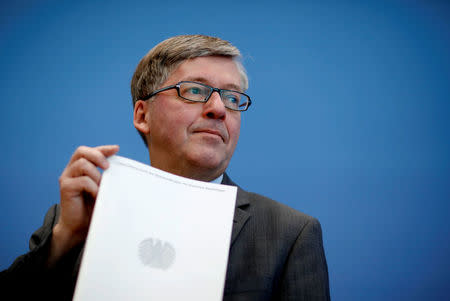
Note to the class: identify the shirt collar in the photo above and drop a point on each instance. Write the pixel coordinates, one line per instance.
(218, 180)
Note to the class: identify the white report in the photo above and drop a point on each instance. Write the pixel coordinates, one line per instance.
(156, 236)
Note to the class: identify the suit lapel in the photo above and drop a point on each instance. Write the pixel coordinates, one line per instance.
(241, 214)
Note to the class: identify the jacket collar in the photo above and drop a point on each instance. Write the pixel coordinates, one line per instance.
(241, 212)
(242, 195)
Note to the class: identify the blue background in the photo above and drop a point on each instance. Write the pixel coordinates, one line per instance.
(350, 120)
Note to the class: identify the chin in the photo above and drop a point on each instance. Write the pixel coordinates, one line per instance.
(207, 160)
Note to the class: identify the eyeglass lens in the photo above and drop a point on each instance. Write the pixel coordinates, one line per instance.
(198, 92)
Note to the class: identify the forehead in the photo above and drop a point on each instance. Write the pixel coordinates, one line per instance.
(217, 71)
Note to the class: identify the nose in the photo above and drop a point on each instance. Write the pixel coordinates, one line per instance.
(214, 108)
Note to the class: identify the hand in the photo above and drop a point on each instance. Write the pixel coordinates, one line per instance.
(79, 185)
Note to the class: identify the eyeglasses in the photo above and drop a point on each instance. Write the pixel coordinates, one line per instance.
(198, 92)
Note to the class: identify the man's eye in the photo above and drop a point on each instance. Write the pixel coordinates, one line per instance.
(194, 91)
(231, 98)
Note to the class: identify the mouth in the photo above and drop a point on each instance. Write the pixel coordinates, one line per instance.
(211, 132)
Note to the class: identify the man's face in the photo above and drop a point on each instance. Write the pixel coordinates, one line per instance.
(195, 140)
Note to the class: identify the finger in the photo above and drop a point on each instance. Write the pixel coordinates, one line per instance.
(107, 151)
(83, 167)
(97, 155)
(72, 187)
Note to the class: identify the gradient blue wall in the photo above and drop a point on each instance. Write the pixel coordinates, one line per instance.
(350, 121)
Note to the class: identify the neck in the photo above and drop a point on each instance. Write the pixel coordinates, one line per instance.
(195, 173)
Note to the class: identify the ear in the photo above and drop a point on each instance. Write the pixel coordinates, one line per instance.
(141, 117)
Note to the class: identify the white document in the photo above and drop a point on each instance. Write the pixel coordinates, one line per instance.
(156, 236)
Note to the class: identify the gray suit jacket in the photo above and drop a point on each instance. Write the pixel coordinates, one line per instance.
(276, 253)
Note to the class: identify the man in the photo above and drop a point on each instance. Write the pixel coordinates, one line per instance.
(188, 94)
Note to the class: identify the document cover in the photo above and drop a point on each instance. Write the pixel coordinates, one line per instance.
(156, 236)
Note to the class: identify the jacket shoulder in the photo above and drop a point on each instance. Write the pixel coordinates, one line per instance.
(270, 211)
(277, 211)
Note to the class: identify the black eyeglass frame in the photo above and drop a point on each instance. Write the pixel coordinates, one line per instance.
(212, 90)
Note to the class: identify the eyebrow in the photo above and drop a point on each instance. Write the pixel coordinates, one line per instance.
(207, 82)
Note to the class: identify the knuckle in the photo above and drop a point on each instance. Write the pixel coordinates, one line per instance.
(87, 183)
(82, 166)
(64, 184)
(82, 162)
(81, 149)
(82, 169)
(84, 181)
